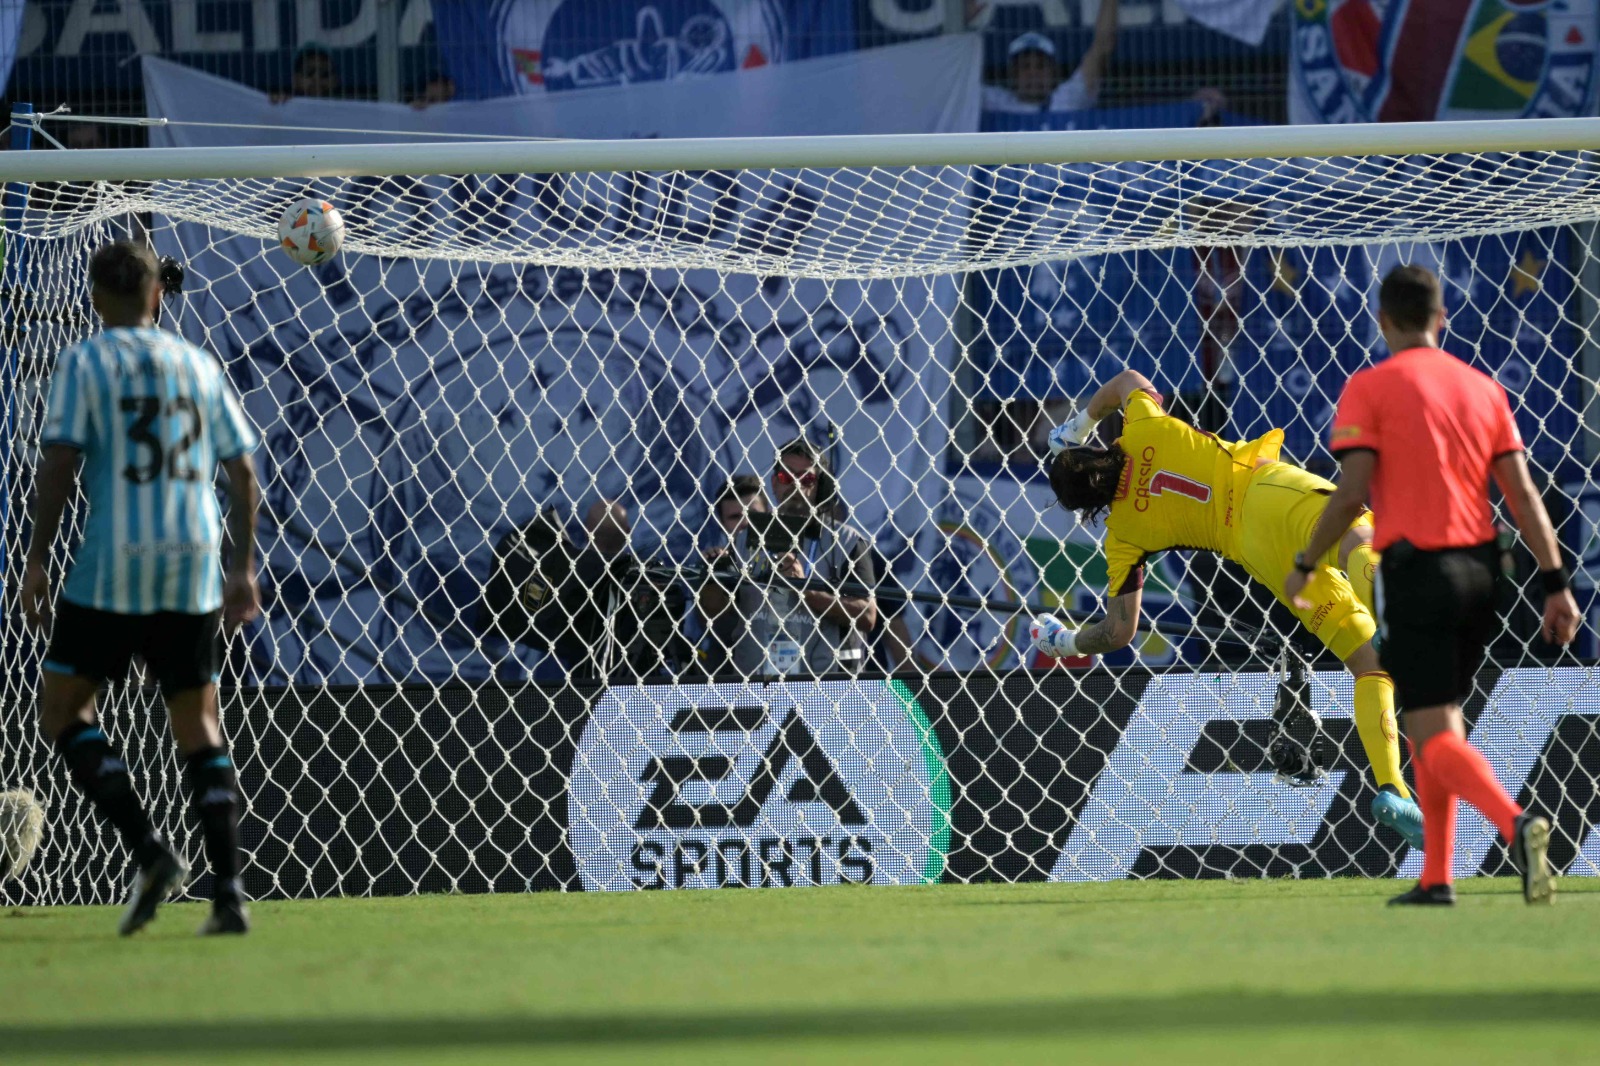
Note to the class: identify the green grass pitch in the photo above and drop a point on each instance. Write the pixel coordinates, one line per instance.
(1175, 972)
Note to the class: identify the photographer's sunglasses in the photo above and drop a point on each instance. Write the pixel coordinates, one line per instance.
(783, 477)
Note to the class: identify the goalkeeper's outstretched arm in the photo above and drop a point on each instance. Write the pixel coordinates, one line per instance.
(1054, 637)
(1107, 400)
(1112, 397)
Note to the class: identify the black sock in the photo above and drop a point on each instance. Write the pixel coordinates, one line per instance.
(100, 773)
(214, 789)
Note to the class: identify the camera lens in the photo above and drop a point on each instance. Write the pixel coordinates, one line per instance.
(171, 275)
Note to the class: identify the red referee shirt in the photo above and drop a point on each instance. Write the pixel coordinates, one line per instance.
(1436, 424)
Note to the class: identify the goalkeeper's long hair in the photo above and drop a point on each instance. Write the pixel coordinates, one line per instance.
(1086, 479)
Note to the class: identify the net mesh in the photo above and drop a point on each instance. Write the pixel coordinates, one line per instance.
(517, 635)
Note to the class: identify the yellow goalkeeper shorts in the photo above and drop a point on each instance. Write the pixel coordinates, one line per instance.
(1281, 507)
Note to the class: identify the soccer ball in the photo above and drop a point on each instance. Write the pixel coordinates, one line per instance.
(21, 828)
(311, 231)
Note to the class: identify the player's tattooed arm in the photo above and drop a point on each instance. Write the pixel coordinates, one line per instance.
(1113, 395)
(1115, 630)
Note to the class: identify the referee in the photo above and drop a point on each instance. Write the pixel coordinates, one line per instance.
(1421, 433)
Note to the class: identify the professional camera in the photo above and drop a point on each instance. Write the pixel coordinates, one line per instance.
(171, 274)
(781, 534)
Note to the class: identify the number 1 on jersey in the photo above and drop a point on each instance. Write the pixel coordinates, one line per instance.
(1166, 481)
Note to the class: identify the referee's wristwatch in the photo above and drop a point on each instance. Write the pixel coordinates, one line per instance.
(1301, 565)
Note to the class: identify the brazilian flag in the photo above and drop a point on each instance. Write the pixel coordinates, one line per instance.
(1502, 64)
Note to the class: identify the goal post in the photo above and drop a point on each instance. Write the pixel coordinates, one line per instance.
(497, 428)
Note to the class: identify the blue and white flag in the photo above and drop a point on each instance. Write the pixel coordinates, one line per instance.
(509, 47)
(1421, 60)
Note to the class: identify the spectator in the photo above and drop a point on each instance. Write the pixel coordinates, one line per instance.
(1212, 101)
(314, 75)
(607, 524)
(85, 135)
(741, 496)
(774, 627)
(593, 606)
(1033, 74)
(441, 89)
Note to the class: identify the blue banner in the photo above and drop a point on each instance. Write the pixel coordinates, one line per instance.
(415, 410)
(77, 50)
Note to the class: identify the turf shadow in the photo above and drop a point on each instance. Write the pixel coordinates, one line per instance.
(1243, 1010)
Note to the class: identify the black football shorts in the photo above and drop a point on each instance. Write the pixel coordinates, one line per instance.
(1438, 616)
(182, 651)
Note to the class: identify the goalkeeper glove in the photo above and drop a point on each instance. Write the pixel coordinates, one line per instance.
(1071, 433)
(1052, 636)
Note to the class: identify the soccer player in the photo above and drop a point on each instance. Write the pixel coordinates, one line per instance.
(1420, 434)
(1167, 485)
(149, 417)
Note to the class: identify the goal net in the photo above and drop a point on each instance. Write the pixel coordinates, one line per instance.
(507, 638)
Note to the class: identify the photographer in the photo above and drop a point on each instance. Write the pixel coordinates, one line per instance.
(773, 627)
(741, 496)
(597, 607)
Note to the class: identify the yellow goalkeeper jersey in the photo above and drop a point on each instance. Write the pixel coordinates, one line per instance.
(1182, 488)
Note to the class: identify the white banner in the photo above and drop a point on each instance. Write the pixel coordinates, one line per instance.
(416, 410)
(924, 87)
(1243, 20)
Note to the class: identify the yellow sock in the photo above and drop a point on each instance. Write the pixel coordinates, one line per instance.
(1375, 723)
(1361, 566)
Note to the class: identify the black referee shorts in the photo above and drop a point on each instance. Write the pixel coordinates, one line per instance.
(1438, 617)
(183, 651)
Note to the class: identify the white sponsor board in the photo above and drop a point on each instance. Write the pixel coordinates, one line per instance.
(1145, 799)
(706, 786)
(1513, 732)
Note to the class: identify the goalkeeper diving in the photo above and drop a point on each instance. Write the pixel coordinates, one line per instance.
(1164, 484)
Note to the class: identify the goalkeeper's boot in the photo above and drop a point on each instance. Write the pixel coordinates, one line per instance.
(155, 884)
(1530, 847)
(1432, 896)
(228, 918)
(1400, 814)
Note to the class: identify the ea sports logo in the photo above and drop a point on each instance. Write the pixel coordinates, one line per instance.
(705, 786)
(1367, 61)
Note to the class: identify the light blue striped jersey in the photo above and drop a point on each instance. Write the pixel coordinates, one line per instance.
(153, 415)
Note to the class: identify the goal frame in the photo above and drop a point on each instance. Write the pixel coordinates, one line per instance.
(313, 711)
(755, 153)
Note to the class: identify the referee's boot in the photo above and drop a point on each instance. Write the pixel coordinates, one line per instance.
(1400, 814)
(228, 918)
(157, 882)
(1430, 896)
(1530, 854)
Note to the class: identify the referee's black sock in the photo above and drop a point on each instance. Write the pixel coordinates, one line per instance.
(101, 773)
(214, 790)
